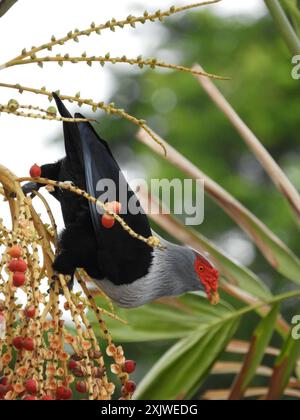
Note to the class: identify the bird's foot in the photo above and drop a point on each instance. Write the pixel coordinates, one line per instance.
(30, 187)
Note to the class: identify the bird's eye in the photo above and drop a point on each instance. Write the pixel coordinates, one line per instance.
(201, 268)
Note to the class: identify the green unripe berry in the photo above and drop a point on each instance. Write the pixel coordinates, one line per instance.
(13, 105)
(52, 110)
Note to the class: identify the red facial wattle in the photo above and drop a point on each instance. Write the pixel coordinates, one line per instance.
(209, 277)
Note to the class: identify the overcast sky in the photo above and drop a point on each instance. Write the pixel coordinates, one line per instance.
(32, 22)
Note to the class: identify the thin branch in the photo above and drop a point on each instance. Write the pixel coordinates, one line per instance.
(5, 5)
(277, 175)
(284, 25)
(112, 25)
(109, 109)
(225, 368)
(44, 115)
(223, 394)
(152, 241)
(242, 347)
(139, 61)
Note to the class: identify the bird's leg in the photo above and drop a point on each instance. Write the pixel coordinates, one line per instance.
(30, 187)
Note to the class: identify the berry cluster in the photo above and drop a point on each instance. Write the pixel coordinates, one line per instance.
(40, 357)
(17, 266)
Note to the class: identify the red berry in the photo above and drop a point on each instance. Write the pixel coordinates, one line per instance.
(19, 279)
(30, 312)
(114, 207)
(3, 389)
(129, 366)
(31, 386)
(17, 265)
(12, 266)
(46, 398)
(78, 372)
(35, 171)
(15, 251)
(117, 207)
(130, 387)
(73, 364)
(107, 221)
(18, 343)
(28, 344)
(63, 393)
(29, 398)
(4, 380)
(76, 357)
(81, 387)
(21, 266)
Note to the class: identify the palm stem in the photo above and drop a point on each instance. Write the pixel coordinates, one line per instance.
(284, 25)
(5, 6)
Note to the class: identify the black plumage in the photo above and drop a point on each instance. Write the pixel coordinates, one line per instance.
(84, 243)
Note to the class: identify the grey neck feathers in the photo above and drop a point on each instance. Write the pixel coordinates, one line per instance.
(171, 274)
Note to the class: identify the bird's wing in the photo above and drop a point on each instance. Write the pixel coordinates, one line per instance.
(73, 164)
(123, 257)
(116, 245)
(101, 170)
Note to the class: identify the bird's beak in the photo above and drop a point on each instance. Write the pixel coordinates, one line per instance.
(214, 298)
